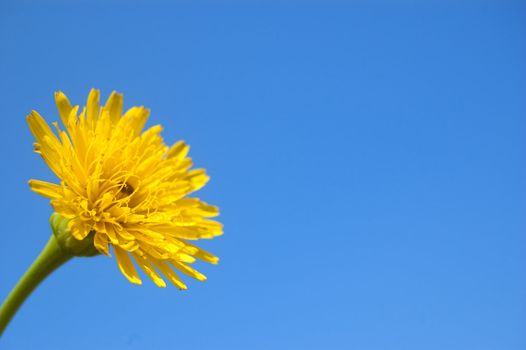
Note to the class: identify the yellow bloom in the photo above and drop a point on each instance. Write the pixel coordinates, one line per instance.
(125, 188)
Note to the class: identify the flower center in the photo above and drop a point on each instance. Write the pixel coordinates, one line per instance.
(127, 189)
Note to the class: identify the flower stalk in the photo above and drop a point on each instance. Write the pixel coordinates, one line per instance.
(51, 257)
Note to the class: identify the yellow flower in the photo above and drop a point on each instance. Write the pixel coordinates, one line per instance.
(125, 188)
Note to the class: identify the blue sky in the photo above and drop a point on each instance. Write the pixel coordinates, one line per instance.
(368, 159)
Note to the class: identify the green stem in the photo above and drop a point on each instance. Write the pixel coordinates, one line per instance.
(49, 259)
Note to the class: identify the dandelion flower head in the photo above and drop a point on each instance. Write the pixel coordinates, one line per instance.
(125, 189)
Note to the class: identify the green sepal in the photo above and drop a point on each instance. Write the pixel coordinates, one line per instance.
(69, 244)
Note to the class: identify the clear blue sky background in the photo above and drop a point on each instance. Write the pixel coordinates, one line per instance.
(369, 161)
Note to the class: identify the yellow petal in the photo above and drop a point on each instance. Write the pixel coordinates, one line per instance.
(64, 208)
(203, 254)
(178, 151)
(187, 270)
(195, 207)
(78, 229)
(185, 258)
(63, 106)
(169, 273)
(101, 243)
(114, 106)
(135, 118)
(111, 233)
(46, 189)
(41, 130)
(149, 270)
(197, 178)
(92, 107)
(126, 265)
